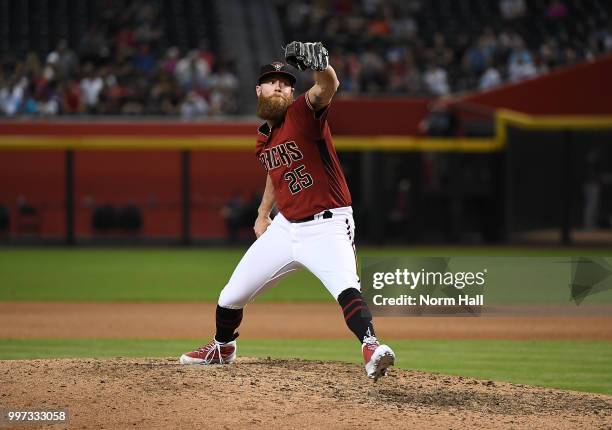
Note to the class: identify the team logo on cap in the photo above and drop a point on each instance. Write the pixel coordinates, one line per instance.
(277, 65)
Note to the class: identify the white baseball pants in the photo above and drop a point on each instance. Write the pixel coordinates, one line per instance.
(323, 246)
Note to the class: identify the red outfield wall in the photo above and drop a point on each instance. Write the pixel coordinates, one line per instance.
(149, 179)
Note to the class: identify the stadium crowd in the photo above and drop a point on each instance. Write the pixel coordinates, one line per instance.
(123, 66)
(378, 46)
(120, 68)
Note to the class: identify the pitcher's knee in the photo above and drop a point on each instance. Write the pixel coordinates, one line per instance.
(232, 298)
(337, 289)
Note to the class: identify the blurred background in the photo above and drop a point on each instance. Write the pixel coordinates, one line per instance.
(456, 122)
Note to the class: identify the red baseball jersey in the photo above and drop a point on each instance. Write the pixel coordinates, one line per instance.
(300, 158)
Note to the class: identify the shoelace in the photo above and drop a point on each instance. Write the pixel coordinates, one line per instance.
(370, 341)
(210, 352)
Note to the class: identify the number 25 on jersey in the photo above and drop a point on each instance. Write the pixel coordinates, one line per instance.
(298, 179)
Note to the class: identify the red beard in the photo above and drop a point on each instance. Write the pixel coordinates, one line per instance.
(273, 108)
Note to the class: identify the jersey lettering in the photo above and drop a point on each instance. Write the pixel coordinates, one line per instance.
(268, 159)
(292, 147)
(262, 160)
(285, 158)
(281, 155)
(275, 159)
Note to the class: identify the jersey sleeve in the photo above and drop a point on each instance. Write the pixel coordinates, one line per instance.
(306, 117)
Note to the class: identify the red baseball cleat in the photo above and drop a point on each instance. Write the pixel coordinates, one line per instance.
(212, 353)
(377, 358)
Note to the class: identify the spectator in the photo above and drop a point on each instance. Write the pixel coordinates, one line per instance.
(441, 53)
(519, 53)
(509, 40)
(32, 67)
(147, 31)
(540, 66)
(512, 9)
(48, 104)
(606, 39)
(379, 27)
(161, 91)
(170, 60)
(116, 93)
(549, 53)
(373, 72)
(70, 97)
(94, 47)
(29, 105)
(91, 86)
(144, 61)
(475, 59)
(350, 74)
(520, 69)
(206, 54)
(355, 24)
(488, 42)
(300, 13)
(12, 96)
(571, 56)
(171, 102)
(64, 60)
(412, 76)
(5, 92)
(491, 78)
(404, 28)
(194, 106)
(436, 80)
(224, 88)
(556, 10)
(125, 41)
(397, 64)
(192, 72)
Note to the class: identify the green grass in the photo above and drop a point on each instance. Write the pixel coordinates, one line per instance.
(170, 274)
(578, 365)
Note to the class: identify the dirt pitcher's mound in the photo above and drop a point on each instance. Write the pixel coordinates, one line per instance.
(159, 393)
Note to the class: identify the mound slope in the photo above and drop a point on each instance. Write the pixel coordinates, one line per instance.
(159, 393)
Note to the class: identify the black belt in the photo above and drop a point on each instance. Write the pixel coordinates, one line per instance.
(326, 215)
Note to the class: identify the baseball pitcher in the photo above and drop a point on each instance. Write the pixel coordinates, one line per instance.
(314, 228)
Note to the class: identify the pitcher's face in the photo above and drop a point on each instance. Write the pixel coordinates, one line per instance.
(275, 95)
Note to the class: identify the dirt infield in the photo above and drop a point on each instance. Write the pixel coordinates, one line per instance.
(260, 393)
(272, 320)
(264, 393)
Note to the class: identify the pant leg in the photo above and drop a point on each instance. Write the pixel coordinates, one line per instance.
(329, 253)
(327, 250)
(269, 259)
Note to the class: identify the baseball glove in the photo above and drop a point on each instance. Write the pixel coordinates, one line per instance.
(307, 55)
